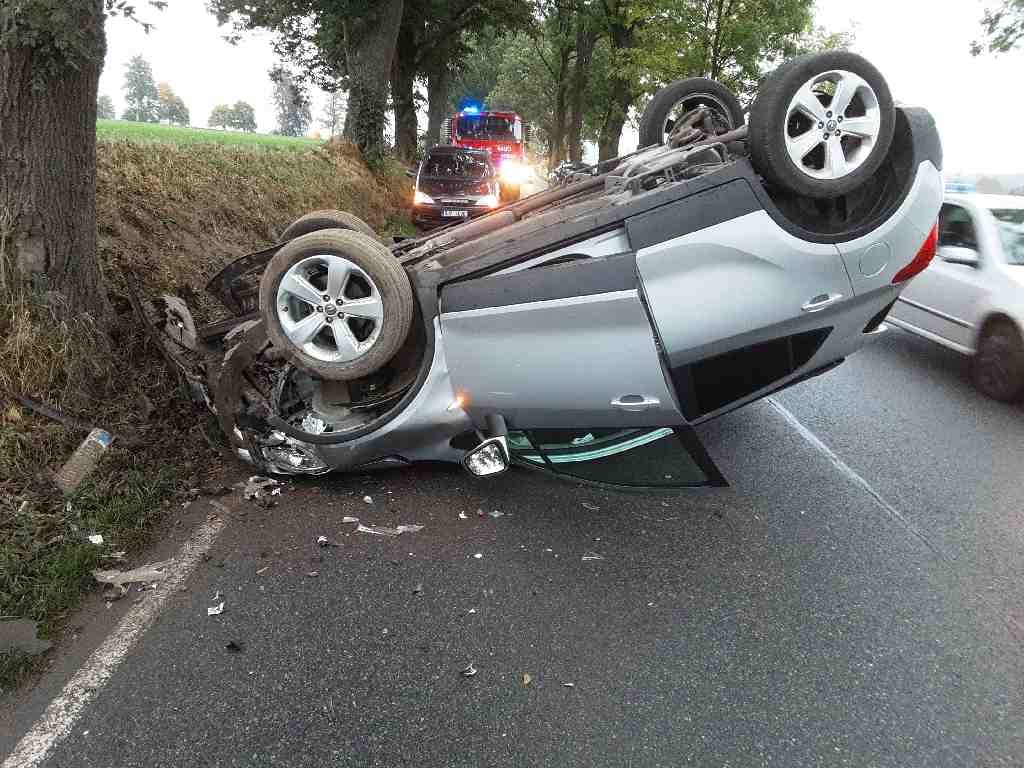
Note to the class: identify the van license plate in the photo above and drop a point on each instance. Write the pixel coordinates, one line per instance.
(455, 213)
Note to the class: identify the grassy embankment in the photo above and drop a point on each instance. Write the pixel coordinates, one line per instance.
(174, 205)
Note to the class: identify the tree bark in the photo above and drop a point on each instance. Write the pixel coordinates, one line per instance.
(586, 38)
(403, 95)
(48, 167)
(438, 83)
(370, 42)
(622, 37)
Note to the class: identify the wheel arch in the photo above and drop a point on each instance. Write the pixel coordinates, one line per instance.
(993, 316)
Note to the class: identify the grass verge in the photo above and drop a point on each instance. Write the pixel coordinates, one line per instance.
(112, 130)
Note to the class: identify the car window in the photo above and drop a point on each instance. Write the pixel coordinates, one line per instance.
(461, 165)
(1011, 231)
(487, 127)
(956, 227)
(638, 458)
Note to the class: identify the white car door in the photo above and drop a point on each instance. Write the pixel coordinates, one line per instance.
(940, 301)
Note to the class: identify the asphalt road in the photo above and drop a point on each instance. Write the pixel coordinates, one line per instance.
(788, 620)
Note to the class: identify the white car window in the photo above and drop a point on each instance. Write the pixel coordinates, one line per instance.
(1011, 231)
(956, 227)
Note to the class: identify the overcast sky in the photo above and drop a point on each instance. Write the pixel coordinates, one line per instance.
(921, 46)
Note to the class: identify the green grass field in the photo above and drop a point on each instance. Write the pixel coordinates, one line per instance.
(124, 129)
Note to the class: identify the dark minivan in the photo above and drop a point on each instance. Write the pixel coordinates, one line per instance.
(453, 184)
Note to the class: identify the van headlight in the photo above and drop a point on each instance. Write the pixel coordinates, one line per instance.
(422, 198)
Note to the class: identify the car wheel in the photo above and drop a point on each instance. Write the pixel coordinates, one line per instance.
(327, 219)
(997, 368)
(821, 124)
(337, 302)
(676, 99)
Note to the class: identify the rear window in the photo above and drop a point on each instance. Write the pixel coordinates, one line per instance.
(461, 165)
(487, 127)
(1011, 232)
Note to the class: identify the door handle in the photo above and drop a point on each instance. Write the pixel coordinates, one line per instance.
(818, 303)
(635, 403)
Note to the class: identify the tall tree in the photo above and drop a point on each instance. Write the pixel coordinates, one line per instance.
(291, 103)
(140, 94)
(220, 116)
(242, 117)
(1002, 27)
(51, 54)
(172, 107)
(333, 116)
(105, 108)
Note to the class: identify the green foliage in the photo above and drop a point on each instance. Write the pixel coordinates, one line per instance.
(242, 117)
(105, 108)
(140, 92)
(171, 107)
(291, 103)
(220, 116)
(1003, 28)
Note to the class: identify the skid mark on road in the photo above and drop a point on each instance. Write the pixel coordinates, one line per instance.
(63, 712)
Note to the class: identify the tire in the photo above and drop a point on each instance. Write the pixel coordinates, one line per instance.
(997, 367)
(777, 122)
(348, 343)
(326, 219)
(695, 90)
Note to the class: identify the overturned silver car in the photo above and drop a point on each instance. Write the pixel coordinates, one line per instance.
(583, 330)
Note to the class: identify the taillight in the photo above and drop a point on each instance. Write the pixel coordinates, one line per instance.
(923, 259)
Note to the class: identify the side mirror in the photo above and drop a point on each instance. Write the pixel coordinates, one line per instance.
(410, 174)
(956, 254)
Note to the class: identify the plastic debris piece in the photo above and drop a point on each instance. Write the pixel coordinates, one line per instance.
(418, 589)
(479, 513)
(478, 555)
(406, 528)
(569, 685)
(234, 647)
(377, 530)
(262, 490)
(215, 610)
(469, 671)
(527, 679)
(262, 570)
(548, 549)
(95, 538)
(368, 499)
(83, 461)
(216, 596)
(496, 514)
(147, 573)
(313, 574)
(323, 541)
(349, 519)
(20, 635)
(587, 438)
(591, 507)
(463, 516)
(592, 556)
(471, 610)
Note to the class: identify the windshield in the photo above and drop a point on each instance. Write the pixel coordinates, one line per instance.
(461, 165)
(487, 127)
(1011, 232)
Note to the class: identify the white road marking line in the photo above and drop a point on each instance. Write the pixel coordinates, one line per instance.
(847, 471)
(64, 711)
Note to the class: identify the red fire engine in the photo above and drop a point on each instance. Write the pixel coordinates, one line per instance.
(503, 134)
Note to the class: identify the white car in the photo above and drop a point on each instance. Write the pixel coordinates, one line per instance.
(971, 298)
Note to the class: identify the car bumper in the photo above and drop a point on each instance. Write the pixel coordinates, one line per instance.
(429, 216)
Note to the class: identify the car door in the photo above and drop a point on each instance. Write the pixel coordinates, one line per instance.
(940, 301)
(739, 303)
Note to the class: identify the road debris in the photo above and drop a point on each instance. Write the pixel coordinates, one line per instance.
(263, 570)
(568, 685)
(349, 519)
(479, 512)
(323, 541)
(478, 555)
(418, 589)
(592, 556)
(463, 515)
(83, 461)
(262, 490)
(591, 507)
(233, 647)
(471, 611)
(368, 499)
(469, 671)
(527, 679)
(215, 610)
(144, 573)
(20, 635)
(496, 514)
(383, 530)
(95, 538)
(313, 574)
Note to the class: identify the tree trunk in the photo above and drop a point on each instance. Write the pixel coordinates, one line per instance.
(48, 167)
(586, 38)
(622, 37)
(370, 41)
(403, 95)
(438, 83)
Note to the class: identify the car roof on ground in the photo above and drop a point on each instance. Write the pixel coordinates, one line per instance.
(988, 201)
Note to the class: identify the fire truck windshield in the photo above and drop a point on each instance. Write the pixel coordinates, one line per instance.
(487, 127)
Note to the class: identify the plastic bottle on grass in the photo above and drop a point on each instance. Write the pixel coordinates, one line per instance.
(83, 461)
